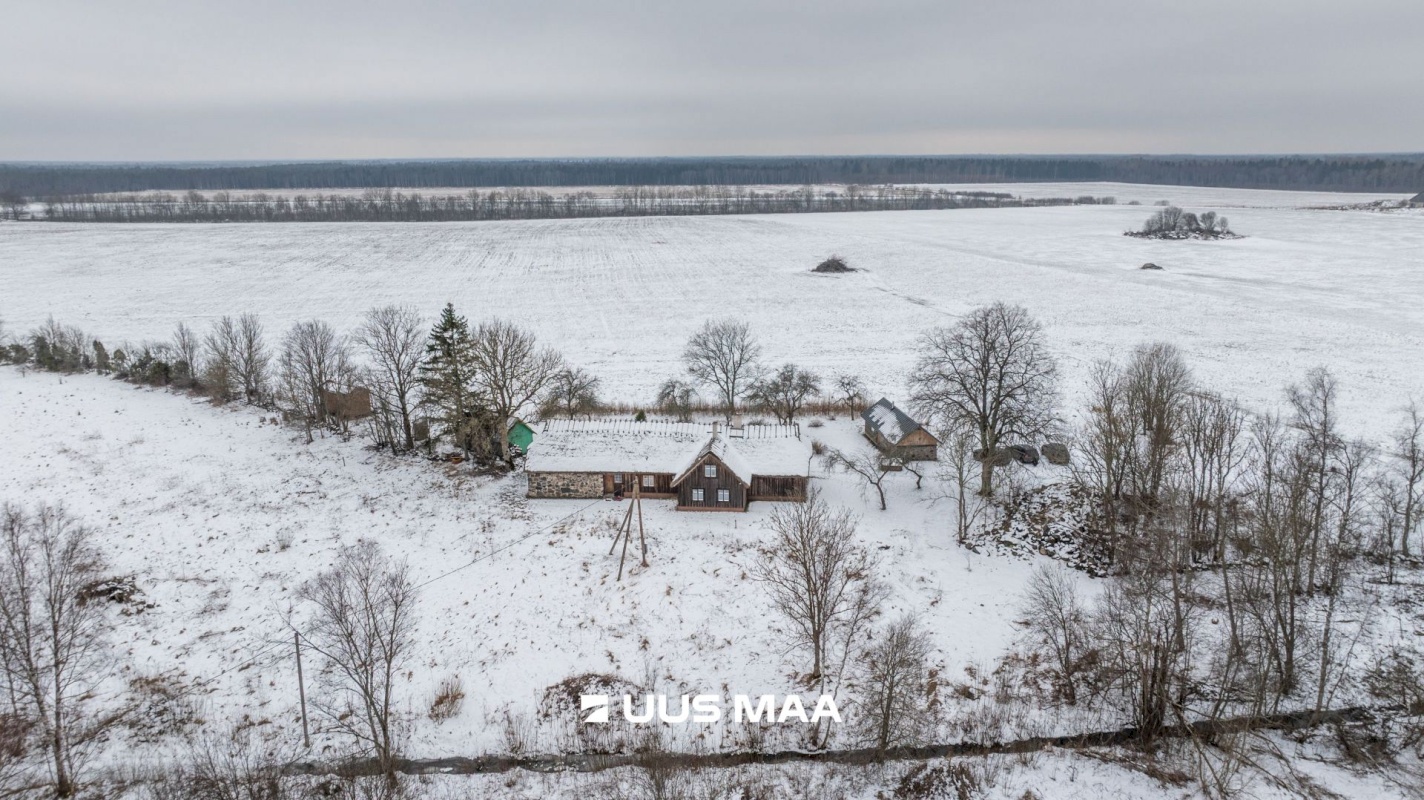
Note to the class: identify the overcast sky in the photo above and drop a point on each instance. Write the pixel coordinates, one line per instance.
(312, 79)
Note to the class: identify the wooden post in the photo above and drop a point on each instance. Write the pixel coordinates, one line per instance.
(302, 690)
(638, 498)
(627, 534)
(621, 525)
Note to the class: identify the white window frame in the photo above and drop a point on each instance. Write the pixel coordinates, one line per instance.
(698, 496)
(724, 495)
(709, 470)
(617, 477)
(649, 482)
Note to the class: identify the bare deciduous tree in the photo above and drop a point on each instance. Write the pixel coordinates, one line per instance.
(850, 391)
(238, 357)
(52, 642)
(819, 577)
(574, 392)
(1407, 462)
(894, 688)
(314, 360)
(1105, 443)
(676, 397)
(1156, 382)
(785, 391)
(1058, 619)
(1145, 625)
(725, 355)
(510, 370)
(1316, 420)
(990, 374)
(252, 357)
(362, 624)
(188, 351)
(868, 465)
(394, 340)
(961, 472)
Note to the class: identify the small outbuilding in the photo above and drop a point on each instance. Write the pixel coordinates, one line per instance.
(347, 406)
(1417, 201)
(520, 434)
(893, 431)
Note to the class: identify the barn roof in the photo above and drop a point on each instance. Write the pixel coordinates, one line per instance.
(663, 447)
(612, 446)
(891, 422)
(1418, 198)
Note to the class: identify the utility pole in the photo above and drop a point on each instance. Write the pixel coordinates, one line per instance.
(302, 690)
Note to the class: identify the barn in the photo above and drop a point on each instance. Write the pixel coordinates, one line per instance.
(892, 430)
(704, 467)
(1417, 201)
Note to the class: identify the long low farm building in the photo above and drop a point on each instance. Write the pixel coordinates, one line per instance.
(706, 467)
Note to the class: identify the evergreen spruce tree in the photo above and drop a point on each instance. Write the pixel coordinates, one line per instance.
(44, 354)
(445, 377)
(101, 357)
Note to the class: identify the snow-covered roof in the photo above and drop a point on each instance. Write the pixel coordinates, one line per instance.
(730, 458)
(753, 456)
(612, 446)
(663, 447)
(892, 423)
(1418, 198)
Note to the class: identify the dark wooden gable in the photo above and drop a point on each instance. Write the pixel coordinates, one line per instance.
(725, 480)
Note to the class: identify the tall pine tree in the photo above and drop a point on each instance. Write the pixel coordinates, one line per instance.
(446, 375)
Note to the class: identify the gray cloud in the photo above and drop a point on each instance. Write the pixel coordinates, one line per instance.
(319, 79)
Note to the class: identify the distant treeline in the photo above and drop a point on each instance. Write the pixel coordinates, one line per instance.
(1391, 173)
(392, 206)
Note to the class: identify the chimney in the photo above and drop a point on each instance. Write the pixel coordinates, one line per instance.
(714, 429)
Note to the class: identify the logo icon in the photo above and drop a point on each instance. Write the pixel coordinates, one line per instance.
(599, 704)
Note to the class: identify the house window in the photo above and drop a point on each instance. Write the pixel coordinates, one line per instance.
(617, 477)
(697, 495)
(724, 495)
(648, 482)
(709, 470)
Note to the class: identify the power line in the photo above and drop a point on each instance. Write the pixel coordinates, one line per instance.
(502, 548)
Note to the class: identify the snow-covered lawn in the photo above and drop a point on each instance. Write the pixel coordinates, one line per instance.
(195, 501)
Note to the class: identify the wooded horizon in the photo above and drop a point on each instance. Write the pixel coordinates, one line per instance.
(1379, 173)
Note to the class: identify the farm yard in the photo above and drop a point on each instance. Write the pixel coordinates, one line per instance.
(220, 513)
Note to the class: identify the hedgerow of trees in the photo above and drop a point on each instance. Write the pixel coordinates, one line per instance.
(1399, 173)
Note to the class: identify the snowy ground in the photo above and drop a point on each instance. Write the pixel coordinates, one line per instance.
(1305, 287)
(195, 501)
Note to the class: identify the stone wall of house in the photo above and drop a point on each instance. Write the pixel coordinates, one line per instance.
(587, 485)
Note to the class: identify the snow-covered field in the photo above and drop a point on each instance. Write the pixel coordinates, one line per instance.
(1304, 288)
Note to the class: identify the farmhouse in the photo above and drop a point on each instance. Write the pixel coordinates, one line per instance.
(704, 467)
(892, 430)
